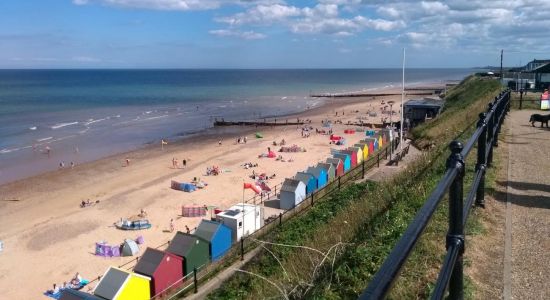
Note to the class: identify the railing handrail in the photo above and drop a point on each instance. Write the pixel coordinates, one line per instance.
(486, 135)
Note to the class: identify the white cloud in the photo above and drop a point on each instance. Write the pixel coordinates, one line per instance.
(86, 59)
(247, 35)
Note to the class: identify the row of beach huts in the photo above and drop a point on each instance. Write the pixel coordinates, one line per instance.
(157, 271)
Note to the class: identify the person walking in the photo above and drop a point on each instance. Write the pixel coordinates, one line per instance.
(172, 225)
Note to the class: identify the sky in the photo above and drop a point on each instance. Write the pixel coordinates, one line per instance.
(271, 33)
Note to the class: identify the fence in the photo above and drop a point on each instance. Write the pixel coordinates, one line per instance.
(451, 274)
(247, 244)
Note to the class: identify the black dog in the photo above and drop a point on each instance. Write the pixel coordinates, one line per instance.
(539, 118)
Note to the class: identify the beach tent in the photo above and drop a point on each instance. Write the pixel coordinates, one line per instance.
(358, 152)
(364, 148)
(188, 187)
(271, 154)
(370, 132)
(352, 156)
(218, 237)
(259, 135)
(129, 248)
(164, 269)
(117, 284)
(309, 180)
(346, 160)
(70, 294)
(293, 192)
(243, 219)
(337, 164)
(329, 168)
(349, 131)
(335, 137)
(193, 249)
(320, 174)
(341, 142)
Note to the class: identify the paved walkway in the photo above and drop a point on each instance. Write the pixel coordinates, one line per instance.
(527, 237)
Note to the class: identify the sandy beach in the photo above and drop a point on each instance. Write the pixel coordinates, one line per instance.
(48, 238)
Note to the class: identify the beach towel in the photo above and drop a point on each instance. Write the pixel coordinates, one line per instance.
(57, 295)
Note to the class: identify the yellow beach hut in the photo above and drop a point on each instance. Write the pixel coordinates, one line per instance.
(117, 284)
(380, 141)
(359, 152)
(365, 148)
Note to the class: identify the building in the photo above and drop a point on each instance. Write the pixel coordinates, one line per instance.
(164, 269)
(70, 294)
(418, 111)
(243, 219)
(218, 237)
(309, 180)
(329, 168)
(320, 174)
(117, 284)
(346, 160)
(337, 164)
(293, 192)
(193, 250)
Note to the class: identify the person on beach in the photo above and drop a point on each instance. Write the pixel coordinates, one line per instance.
(48, 150)
(187, 229)
(55, 289)
(245, 139)
(171, 225)
(184, 163)
(127, 162)
(72, 164)
(219, 142)
(173, 163)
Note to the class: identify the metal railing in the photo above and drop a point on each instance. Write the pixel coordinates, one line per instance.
(451, 274)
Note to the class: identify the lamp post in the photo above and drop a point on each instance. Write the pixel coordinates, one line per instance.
(391, 113)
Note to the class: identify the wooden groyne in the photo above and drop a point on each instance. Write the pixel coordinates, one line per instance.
(346, 95)
(257, 123)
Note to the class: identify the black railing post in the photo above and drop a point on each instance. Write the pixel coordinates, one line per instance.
(195, 282)
(242, 248)
(280, 219)
(363, 170)
(497, 116)
(312, 193)
(386, 155)
(378, 160)
(339, 184)
(481, 159)
(455, 236)
(520, 100)
(490, 132)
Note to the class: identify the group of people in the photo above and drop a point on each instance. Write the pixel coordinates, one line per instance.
(175, 163)
(242, 140)
(75, 283)
(62, 164)
(214, 170)
(249, 165)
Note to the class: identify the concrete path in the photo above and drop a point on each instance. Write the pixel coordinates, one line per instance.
(527, 235)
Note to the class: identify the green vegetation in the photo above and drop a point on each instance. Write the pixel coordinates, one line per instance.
(355, 229)
(530, 101)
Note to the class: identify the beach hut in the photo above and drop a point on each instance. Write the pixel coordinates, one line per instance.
(337, 164)
(193, 249)
(70, 294)
(164, 269)
(329, 168)
(243, 219)
(374, 142)
(117, 284)
(293, 192)
(380, 141)
(352, 156)
(320, 174)
(218, 237)
(309, 180)
(358, 152)
(364, 148)
(129, 248)
(387, 133)
(346, 160)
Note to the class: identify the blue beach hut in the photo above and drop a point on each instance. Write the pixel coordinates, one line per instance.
(218, 237)
(309, 180)
(320, 174)
(346, 160)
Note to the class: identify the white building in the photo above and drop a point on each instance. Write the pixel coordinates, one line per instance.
(243, 219)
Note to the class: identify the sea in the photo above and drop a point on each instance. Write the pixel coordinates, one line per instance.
(83, 115)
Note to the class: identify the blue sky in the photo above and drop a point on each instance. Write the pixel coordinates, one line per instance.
(270, 33)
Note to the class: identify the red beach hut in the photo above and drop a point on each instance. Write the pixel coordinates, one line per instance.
(164, 269)
(338, 165)
(353, 156)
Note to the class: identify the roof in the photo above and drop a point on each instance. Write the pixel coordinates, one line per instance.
(304, 177)
(290, 185)
(149, 261)
(325, 166)
(70, 294)
(236, 210)
(426, 102)
(339, 153)
(207, 229)
(111, 283)
(316, 171)
(334, 160)
(182, 243)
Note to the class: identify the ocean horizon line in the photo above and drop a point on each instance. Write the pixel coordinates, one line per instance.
(229, 69)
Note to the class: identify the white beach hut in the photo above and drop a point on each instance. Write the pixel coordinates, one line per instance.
(243, 219)
(293, 192)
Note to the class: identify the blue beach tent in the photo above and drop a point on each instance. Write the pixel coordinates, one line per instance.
(319, 173)
(309, 180)
(345, 158)
(188, 187)
(218, 237)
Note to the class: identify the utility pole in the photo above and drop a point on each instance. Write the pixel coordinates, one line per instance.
(501, 74)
